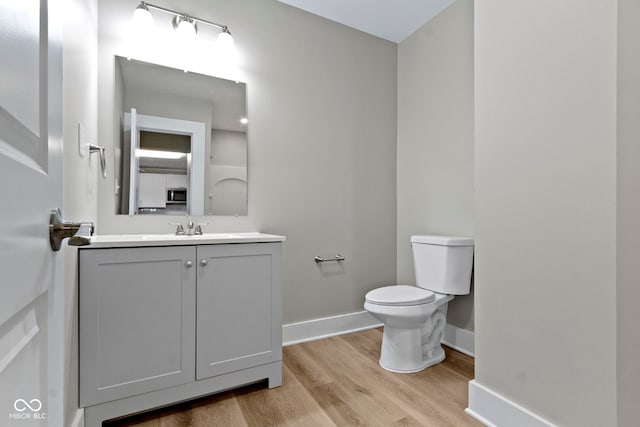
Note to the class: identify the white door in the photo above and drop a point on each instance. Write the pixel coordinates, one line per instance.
(31, 274)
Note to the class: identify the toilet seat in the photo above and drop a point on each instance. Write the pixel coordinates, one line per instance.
(399, 295)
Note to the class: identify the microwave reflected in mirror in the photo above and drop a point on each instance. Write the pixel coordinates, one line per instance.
(183, 142)
(177, 196)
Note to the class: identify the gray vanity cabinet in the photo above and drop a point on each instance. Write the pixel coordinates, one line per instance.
(159, 325)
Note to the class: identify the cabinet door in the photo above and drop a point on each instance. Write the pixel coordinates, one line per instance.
(137, 321)
(239, 321)
(152, 190)
(177, 181)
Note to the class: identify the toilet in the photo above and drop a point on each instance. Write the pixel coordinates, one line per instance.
(414, 317)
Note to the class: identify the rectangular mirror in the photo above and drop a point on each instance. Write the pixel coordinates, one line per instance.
(182, 142)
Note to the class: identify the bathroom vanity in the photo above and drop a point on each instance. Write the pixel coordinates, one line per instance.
(163, 319)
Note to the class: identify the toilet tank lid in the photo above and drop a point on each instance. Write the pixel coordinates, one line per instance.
(442, 240)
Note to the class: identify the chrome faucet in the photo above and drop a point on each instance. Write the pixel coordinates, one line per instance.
(199, 228)
(190, 226)
(191, 229)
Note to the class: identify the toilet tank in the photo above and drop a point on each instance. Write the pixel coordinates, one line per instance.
(443, 263)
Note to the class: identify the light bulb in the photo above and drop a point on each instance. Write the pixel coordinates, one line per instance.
(185, 29)
(226, 47)
(142, 19)
(140, 31)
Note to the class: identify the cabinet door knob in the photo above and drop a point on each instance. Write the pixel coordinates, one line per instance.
(203, 262)
(188, 264)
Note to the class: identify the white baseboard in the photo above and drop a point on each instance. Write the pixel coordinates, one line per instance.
(315, 329)
(78, 420)
(459, 339)
(492, 409)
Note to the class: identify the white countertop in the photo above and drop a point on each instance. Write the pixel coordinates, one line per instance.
(135, 240)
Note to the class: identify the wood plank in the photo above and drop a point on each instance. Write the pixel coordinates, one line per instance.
(366, 342)
(459, 362)
(218, 412)
(296, 403)
(302, 364)
(340, 360)
(258, 408)
(406, 422)
(335, 381)
(329, 399)
(351, 375)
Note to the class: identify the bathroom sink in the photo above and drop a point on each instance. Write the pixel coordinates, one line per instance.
(131, 240)
(206, 236)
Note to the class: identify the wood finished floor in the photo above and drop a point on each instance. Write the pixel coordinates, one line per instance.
(333, 382)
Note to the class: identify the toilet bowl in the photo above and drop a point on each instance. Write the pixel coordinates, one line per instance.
(414, 317)
(412, 328)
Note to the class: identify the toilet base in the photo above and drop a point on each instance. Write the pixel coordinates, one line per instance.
(438, 357)
(399, 355)
(407, 350)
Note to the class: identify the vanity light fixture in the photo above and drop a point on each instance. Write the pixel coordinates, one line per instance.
(186, 28)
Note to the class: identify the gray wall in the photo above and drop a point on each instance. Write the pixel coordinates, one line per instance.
(223, 195)
(628, 198)
(80, 84)
(322, 144)
(435, 139)
(228, 148)
(545, 207)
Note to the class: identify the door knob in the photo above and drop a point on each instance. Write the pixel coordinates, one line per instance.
(203, 262)
(59, 229)
(188, 264)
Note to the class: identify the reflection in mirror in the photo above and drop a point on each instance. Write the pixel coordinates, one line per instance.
(183, 142)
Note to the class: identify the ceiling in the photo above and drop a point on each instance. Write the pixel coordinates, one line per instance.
(393, 20)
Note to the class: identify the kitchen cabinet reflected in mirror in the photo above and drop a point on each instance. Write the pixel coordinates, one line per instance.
(182, 142)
